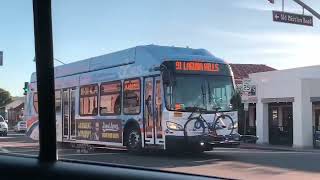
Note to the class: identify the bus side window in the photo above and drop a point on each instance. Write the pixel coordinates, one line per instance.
(89, 100)
(131, 99)
(58, 101)
(110, 98)
(35, 102)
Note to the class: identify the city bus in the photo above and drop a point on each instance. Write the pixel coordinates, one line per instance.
(138, 98)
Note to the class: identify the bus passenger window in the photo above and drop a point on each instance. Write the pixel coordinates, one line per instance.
(110, 94)
(89, 100)
(131, 99)
(35, 102)
(58, 101)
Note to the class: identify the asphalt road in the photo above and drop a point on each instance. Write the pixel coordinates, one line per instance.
(229, 163)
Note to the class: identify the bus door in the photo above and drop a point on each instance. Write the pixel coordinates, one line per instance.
(159, 136)
(68, 106)
(152, 111)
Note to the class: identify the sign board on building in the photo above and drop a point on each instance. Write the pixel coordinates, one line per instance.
(285, 17)
(246, 85)
(248, 92)
(1, 58)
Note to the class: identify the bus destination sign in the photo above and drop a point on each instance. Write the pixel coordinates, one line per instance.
(196, 66)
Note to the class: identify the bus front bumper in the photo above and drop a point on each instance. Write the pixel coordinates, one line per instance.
(173, 142)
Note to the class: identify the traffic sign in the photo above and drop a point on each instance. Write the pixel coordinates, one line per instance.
(285, 17)
(246, 85)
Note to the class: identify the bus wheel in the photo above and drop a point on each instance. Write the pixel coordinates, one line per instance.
(134, 142)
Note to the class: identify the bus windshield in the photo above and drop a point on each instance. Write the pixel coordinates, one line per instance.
(208, 93)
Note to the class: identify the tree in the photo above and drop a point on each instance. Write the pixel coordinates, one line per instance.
(5, 97)
(238, 106)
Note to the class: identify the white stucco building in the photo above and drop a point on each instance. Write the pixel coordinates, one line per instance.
(287, 106)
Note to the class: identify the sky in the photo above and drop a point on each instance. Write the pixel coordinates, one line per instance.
(239, 31)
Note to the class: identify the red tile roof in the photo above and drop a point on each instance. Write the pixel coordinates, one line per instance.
(241, 71)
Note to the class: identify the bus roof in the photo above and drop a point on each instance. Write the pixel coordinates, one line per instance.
(149, 56)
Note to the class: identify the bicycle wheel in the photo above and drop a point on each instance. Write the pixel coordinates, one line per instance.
(224, 125)
(194, 127)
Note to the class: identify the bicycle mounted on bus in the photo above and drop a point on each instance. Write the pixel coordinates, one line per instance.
(198, 129)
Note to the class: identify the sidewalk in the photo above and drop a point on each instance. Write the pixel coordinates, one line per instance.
(276, 148)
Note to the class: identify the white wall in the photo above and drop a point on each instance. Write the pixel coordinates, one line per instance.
(300, 83)
(262, 129)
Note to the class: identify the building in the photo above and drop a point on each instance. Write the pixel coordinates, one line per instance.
(14, 111)
(241, 71)
(287, 106)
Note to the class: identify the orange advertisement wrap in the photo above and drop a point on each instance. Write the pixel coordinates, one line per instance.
(32, 128)
(99, 130)
(158, 109)
(148, 112)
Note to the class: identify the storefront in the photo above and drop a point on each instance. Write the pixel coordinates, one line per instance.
(280, 123)
(287, 106)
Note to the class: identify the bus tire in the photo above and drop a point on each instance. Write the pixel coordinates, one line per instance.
(134, 140)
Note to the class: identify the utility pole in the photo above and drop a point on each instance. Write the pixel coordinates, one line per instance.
(312, 11)
(303, 5)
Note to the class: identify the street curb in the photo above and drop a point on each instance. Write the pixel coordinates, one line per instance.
(278, 148)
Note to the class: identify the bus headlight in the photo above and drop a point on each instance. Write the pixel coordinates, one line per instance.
(235, 126)
(174, 126)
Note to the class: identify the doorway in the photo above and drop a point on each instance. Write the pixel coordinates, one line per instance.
(68, 114)
(316, 116)
(280, 124)
(153, 112)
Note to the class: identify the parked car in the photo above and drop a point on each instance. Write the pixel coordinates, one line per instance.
(20, 127)
(3, 127)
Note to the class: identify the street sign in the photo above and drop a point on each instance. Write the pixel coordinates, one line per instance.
(246, 85)
(285, 17)
(248, 91)
(1, 58)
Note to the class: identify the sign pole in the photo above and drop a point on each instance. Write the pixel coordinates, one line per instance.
(246, 108)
